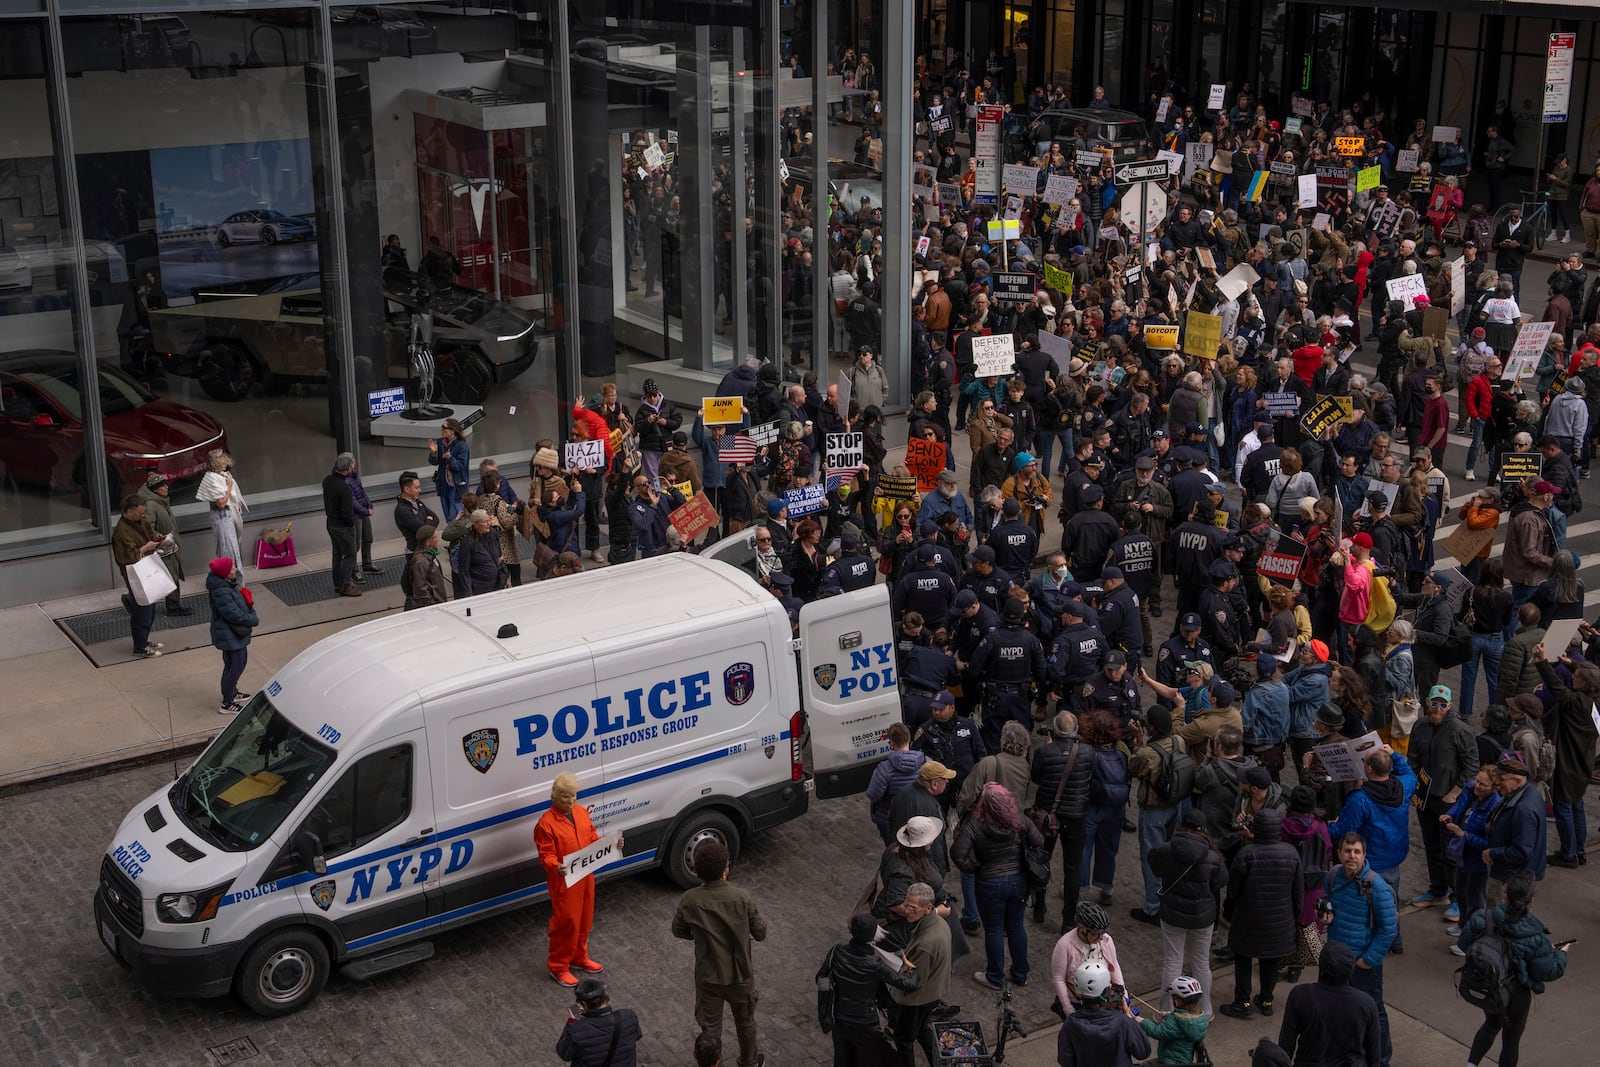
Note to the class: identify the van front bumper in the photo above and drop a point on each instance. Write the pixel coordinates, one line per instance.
(188, 972)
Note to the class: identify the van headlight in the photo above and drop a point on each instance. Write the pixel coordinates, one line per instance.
(190, 907)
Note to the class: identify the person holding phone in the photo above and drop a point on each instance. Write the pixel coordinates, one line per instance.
(1534, 961)
(598, 1033)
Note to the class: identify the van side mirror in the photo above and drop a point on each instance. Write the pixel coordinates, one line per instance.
(309, 848)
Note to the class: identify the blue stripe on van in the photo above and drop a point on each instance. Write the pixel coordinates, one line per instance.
(531, 893)
(472, 827)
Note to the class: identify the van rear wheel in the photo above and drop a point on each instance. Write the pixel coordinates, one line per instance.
(702, 826)
(283, 973)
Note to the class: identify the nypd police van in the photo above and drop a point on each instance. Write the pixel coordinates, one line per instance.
(384, 786)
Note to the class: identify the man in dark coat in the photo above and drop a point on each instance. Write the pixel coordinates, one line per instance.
(1569, 724)
(1061, 771)
(338, 505)
(599, 1033)
(1328, 1021)
(1264, 891)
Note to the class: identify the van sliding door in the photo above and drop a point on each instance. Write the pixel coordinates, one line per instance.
(848, 686)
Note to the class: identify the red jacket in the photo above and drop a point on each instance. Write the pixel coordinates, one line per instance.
(595, 424)
(1307, 361)
(1480, 394)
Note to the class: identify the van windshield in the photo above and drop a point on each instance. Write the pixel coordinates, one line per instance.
(250, 779)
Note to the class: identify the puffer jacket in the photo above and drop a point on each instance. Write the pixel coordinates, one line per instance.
(1264, 885)
(1217, 785)
(1049, 763)
(1381, 812)
(228, 605)
(1192, 874)
(895, 876)
(1472, 814)
(991, 852)
(1363, 913)
(859, 975)
(1536, 960)
(895, 773)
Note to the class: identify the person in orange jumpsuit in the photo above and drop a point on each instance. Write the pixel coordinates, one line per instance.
(561, 831)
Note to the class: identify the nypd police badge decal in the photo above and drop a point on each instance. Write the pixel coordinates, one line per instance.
(825, 674)
(322, 894)
(481, 747)
(739, 683)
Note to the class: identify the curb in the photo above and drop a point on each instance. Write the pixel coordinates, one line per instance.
(173, 748)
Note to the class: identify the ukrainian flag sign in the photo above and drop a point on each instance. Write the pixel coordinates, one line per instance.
(1257, 186)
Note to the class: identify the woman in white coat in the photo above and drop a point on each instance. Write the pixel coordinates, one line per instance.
(227, 507)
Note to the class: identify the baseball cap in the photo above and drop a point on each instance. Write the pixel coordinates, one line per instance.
(1543, 486)
(1222, 692)
(942, 699)
(1222, 570)
(927, 554)
(965, 599)
(932, 770)
(1440, 578)
(1011, 508)
(1014, 609)
(1116, 659)
(1422, 452)
(1377, 501)
(1189, 621)
(1091, 494)
(1361, 540)
(1159, 435)
(983, 554)
(927, 528)
(1439, 692)
(1075, 608)
(776, 505)
(1110, 571)
(1266, 665)
(780, 579)
(1194, 428)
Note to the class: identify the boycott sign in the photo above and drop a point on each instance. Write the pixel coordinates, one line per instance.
(1281, 404)
(721, 410)
(993, 356)
(584, 455)
(893, 488)
(925, 459)
(1161, 337)
(694, 517)
(577, 866)
(1327, 411)
(1515, 466)
(1279, 567)
(805, 500)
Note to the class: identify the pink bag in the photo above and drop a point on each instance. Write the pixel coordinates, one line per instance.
(270, 555)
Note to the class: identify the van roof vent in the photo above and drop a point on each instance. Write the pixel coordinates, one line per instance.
(184, 851)
(153, 817)
(508, 630)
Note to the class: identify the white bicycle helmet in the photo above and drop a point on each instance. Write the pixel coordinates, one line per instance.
(1184, 987)
(1092, 979)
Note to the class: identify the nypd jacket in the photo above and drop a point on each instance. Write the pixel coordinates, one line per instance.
(955, 744)
(847, 574)
(1363, 913)
(1380, 812)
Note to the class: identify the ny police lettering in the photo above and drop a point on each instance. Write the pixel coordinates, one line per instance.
(366, 879)
(668, 701)
(1194, 541)
(871, 669)
(131, 858)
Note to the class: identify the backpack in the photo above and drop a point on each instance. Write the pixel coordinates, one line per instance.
(1485, 977)
(825, 992)
(1315, 859)
(1108, 778)
(405, 578)
(1176, 778)
(1544, 762)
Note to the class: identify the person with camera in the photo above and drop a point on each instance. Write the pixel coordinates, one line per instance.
(861, 980)
(596, 1034)
(1359, 909)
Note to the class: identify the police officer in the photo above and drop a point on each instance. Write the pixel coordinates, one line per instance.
(1010, 663)
(1195, 545)
(1088, 535)
(1160, 451)
(1134, 554)
(1188, 647)
(1119, 613)
(1217, 615)
(970, 622)
(851, 571)
(912, 633)
(1111, 688)
(985, 579)
(926, 589)
(925, 670)
(1014, 543)
(1077, 652)
(1188, 486)
(1233, 551)
(783, 589)
(952, 739)
(1225, 515)
(928, 534)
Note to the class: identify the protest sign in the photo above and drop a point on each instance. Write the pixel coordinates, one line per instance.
(1302, 106)
(1058, 279)
(694, 517)
(949, 195)
(1013, 286)
(1327, 411)
(1162, 107)
(1280, 567)
(654, 157)
(1435, 320)
(1237, 281)
(1215, 97)
(1173, 160)
(1350, 146)
(1531, 341)
(993, 356)
(764, 434)
(1321, 220)
(893, 488)
(1059, 189)
(1207, 260)
(1281, 404)
(1560, 636)
(1345, 760)
(925, 459)
(941, 125)
(1307, 190)
(1458, 285)
(1367, 178)
(721, 410)
(1407, 160)
(805, 500)
(1465, 543)
(584, 455)
(591, 858)
(1406, 289)
(1057, 348)
(844, 451)
(1444, 135)
(1291, 127)
(1515, 466)
(922, 246)
(1202, 334)
(1020, 180)
(1161, 337)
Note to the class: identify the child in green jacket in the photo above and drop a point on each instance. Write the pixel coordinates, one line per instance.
(1184, 1026)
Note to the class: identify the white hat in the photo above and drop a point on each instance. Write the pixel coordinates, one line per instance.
(920, 831)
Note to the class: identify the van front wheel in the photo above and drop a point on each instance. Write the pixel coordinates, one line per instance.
(702, 826)
(283, 973)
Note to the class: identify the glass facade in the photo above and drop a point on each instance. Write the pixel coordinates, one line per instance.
(288, 230)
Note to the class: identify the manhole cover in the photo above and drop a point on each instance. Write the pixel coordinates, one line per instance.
(236, 1051)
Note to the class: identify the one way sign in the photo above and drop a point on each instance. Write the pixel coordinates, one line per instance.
(1154, 170)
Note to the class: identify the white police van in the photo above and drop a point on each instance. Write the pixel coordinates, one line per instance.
(384, 786)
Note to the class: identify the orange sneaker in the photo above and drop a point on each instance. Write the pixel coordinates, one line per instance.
(564, 978)
(588, 965)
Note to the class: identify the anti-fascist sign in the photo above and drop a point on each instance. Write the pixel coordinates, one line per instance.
(1327, 411)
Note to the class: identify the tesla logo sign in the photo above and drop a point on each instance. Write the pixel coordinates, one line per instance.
(478, 189)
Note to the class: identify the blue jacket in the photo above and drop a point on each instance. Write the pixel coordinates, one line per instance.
(1266, 713)
(228, 606)
(934, 504)
(895, 773)
(358, 494)
(1387, 828)
(713, 472)
(452, 458)
(1363, 913)
(1473, 818)
(1535, 959)
(1308, 691)
(1516, 835)
(563, 522)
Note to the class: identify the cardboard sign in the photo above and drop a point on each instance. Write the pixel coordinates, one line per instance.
(1282, 404)
(993, 356)
(805, 500)
(721, 410)
(844, 450)
(1020, 179)
(1207, 260)
(590, 859)
(584, 455)
(1406, 289)
(1445, 134)
(1350, 146)
(1465, 543)
(949, 195)
(1202, 334)
(1531, 340)
(1173, 160)
(1346, 760)
(1303, 106)
(925, 459)
(1406, 160)
(1367, 178)
(1161, 337)
(1162, 107)
(893, 488)
(654, 157)
(1327, 411)
(1279, 567)
(1059, 189)
(1435, 320)
(1515, 466)
(1215, 97)
(1013, 286)
(1057, 348)
(1058, 279)
(1238, 281)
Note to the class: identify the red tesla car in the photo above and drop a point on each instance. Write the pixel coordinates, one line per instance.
(41, 428)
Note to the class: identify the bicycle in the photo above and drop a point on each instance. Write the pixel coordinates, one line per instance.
(1535, 213)
(1008, 1023)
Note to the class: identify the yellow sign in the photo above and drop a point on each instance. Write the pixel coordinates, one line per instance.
(1005, 229)
(1328, 411)
(1202, 334)
(721, 410)
(1161, 337)
(685, 489)
(1367, 178)
(1058, 279)
(1350, 146)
